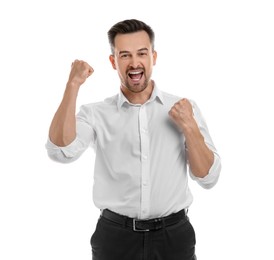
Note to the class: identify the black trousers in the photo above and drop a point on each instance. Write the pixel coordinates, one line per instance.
(111, 241)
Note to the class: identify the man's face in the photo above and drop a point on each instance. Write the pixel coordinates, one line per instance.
(133, 59)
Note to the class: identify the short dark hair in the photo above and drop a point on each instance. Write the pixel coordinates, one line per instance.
(129, 26)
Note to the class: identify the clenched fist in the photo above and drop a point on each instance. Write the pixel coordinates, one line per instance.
(182, 114)
(80, 71)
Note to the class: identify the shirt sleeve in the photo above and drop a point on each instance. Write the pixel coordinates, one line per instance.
(214, 172)
(85, 137)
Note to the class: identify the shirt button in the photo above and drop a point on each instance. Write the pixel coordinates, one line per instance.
(144, 157)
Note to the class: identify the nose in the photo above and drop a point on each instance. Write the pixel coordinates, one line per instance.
(135, 62)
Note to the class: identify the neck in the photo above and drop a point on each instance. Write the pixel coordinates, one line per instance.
(140, 97)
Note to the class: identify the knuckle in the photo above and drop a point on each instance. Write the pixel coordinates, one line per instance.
(183, 101)
(177, 106)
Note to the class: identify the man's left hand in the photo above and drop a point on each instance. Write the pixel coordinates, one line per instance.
(182, 114)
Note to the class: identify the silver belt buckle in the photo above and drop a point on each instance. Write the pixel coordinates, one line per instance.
(138, 230)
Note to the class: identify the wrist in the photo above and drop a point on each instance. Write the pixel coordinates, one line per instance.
(71, 91)
(189, 127)
(73, 84)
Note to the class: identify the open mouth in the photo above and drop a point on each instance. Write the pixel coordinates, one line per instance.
(135, 75)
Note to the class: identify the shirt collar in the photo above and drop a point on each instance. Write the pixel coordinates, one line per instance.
(156, 94)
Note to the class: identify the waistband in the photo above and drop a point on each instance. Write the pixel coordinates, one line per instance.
(145, 225)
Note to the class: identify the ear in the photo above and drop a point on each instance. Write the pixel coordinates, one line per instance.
(112, 61)
(154, 57)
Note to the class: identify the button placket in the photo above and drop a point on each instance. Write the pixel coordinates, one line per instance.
(145, 162)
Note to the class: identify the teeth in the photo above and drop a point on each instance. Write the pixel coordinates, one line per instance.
(137, 72)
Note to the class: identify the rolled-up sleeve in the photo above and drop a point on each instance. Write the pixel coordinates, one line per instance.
(85, 137)
(214, 172)
(213, 175)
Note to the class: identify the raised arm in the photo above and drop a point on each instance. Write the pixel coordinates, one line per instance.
(200, 157)
(63, 126)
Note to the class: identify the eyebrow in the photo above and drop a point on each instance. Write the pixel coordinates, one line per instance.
(142, 49)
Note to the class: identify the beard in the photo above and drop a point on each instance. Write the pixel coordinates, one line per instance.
(136, 88)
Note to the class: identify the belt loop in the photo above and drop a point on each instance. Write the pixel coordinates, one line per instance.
(125, 221)
(164, 223)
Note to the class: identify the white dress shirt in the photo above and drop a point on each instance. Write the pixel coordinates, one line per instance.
(141, 168)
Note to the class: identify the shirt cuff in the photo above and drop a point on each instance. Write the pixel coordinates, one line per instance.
(212, 177)
(65, 153)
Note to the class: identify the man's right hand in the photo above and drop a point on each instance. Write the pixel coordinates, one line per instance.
(80, 71)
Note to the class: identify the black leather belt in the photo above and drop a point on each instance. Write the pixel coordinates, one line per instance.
(144, 225)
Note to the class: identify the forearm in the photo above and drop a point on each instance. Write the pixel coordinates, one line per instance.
(200, 157)
(63, 126)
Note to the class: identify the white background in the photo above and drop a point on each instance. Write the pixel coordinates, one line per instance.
(218, 53)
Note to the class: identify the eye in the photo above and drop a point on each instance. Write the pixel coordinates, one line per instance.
(125, 55)
(143, 53)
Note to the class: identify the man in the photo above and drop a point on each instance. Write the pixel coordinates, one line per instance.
(146, 142)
